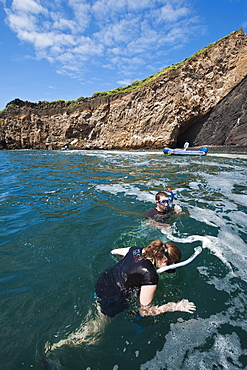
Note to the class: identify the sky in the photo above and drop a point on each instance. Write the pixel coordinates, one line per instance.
(66, 49)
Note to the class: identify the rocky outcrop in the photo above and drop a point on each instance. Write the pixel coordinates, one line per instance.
(176, 105)
(225, 124)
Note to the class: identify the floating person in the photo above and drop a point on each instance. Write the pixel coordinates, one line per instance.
(164, 208)
(186, 145)
(135, 274)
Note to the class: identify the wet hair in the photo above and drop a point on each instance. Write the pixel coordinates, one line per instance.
(173, 252)
(161, 194)
(156, 250)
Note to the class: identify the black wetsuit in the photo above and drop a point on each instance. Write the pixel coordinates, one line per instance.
(159, 216)
(115, 285)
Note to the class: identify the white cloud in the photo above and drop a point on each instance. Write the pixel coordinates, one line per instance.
(64, 24)
(27, 6)
(125, 33)
(124, 82)
(117, 33)
(172, 13)
(81, 12)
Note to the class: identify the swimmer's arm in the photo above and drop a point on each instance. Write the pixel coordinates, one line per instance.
(147, 294)
(153, 223)
(147, 309)
(120, 251)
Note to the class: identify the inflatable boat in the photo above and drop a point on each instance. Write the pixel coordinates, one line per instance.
(169, 151)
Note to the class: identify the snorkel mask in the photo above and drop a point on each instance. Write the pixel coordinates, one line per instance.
(167, 202)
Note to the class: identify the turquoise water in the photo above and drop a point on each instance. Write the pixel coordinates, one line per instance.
(61, 214)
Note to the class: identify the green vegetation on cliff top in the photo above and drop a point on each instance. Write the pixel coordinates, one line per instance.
(134, 85)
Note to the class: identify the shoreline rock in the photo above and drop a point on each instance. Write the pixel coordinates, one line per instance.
(174, 106)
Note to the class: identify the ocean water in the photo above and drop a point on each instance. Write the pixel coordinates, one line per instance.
(62, 212)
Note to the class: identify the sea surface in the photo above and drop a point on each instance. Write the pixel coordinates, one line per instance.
(61, 213)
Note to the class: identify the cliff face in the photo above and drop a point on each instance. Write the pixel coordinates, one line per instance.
(174, 107)
(225, 124)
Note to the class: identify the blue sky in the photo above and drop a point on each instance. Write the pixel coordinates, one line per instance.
(62, 50)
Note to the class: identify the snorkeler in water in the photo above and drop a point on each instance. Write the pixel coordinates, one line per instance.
(164, 207)
(135, 273)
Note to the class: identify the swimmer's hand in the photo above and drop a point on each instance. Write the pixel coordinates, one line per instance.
(185, 306)
(177, 209)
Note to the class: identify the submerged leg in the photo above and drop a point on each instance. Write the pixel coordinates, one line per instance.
(89, 332)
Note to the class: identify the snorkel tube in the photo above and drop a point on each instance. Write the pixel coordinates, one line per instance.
(197, 251)
(171, 196)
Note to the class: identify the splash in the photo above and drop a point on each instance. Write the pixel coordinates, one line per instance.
(220, 351)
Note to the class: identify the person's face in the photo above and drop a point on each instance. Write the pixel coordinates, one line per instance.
(162, 263)
(162, 204)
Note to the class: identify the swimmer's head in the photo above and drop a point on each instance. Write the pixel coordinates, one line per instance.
(162, 254)
(161, 194)
(163, 201)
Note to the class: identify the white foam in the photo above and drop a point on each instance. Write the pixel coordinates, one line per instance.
(228, 246)
(127, 190)
(100, 153)
(223, 351)
(131, 190)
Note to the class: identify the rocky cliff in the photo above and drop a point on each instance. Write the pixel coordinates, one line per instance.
(225, 124)
(177, 105)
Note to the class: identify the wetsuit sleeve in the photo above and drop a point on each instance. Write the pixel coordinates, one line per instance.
(150, 277)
